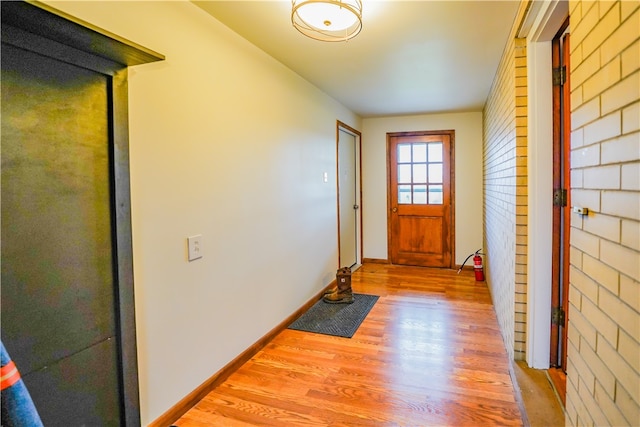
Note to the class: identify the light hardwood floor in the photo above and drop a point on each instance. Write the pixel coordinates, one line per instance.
(428, 354)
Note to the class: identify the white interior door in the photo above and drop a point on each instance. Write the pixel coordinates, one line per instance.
(348, 197)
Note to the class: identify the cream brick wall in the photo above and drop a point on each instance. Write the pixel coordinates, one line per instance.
(520, 343)
(603, 386)
(603, 373)
(505, 195)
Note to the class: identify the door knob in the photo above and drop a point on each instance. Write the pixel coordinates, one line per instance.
(394, 210)
(356, 207)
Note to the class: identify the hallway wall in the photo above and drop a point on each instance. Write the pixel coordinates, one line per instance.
(228, 143)
(505, 194)
(603, 386)
(603, 373)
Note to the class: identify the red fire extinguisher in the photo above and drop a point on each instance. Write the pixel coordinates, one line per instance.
(477, 265)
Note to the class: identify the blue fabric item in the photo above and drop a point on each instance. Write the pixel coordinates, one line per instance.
(18, 409)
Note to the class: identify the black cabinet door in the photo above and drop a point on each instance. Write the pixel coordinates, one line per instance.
(58, 293)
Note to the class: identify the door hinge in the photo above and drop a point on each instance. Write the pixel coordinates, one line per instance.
(560, 197)
(559, 76)
(557, 316)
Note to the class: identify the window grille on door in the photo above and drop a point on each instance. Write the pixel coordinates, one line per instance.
(420, 173)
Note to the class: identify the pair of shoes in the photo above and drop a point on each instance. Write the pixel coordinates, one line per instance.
(338, 297)
(341, 293)
(330, 290)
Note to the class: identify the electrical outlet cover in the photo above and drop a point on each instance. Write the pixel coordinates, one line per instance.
(194, 244)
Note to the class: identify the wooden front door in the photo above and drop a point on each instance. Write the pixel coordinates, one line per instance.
(420, 190)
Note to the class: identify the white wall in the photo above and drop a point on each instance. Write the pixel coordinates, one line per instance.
(228, 143)
(468, 177)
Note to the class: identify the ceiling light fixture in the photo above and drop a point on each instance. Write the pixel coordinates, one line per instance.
(327, 20)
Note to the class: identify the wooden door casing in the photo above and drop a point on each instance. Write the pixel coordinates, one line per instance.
(566, 216)
(421, 234)
(561, 214)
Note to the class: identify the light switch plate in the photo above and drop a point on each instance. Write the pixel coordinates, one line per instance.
(194, 244)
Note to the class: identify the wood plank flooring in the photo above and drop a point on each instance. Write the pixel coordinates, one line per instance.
(428, 354)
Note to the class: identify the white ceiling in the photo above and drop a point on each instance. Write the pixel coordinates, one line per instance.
(412, 57)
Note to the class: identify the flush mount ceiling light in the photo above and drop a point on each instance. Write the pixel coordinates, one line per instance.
(327, 20)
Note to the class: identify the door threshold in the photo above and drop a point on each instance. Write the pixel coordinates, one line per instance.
(558, 380)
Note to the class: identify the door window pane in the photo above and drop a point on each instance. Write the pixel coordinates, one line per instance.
(435, 152)
(419, 194)
(420, 174)
(404, 174)
(419, 153)
(420, 171)
(404, 153)
(435, 173)
(435, 194)
(404, 194)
